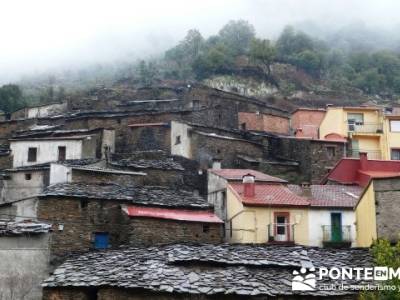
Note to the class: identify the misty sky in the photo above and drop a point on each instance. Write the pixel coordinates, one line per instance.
(42, 34)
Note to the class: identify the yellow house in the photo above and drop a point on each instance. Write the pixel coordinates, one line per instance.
(391, 128)
(366, 218)
(362, 125)
(265, 212)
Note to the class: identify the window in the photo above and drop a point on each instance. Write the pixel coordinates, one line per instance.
(84, 203)
(62, 153)
(331, 151)
(395, 125)
(178, 140)
(101, 240)
(395, 154)
(243, 126)
(196, 104)
(28, 176)
(354, 119)
(206, 228)
(32, 154)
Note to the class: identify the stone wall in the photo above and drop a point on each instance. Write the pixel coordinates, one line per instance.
(314, 157)
(81, 218)
(149, 137)
(387, 199)
(149, 231)
(100, 177)
(263, 122)
(107, 293)
(206, 147)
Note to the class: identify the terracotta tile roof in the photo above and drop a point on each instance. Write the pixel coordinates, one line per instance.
(343, 196)
(270, 195)
(237, 174)
(172, 214)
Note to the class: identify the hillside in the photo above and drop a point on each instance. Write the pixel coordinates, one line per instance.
(296, 69)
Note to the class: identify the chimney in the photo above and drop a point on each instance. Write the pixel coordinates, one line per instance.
(249, 185)
(363, 160)
(306, 189)
(216, 164)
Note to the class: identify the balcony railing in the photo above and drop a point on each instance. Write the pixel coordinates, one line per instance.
(281, 233)
(336, 234)
(372, 154)
(365, 127)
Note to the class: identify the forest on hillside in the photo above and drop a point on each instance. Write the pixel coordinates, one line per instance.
(346, 60)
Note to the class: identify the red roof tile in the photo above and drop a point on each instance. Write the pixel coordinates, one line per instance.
(172, 214)
(343, 196)
(269, 195)
(237, 174)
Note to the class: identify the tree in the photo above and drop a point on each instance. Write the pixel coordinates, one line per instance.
(291, 43)
(213, 61)
(237, 36)
(147, 72)
(11, 98)
(370, 81)
(309, 61)
(385, 255)
(263, 52)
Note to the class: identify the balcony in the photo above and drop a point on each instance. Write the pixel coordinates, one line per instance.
(336, 236)
(355, 128)
(372, 154)
(281, 233)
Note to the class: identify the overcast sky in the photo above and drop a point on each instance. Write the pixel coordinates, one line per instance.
(41, 34)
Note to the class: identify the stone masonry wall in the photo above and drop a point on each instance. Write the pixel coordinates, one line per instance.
(99, 177)
(387, 199)
(148, 231)
(107, 293)
(81, 218)
(207, 147)
(148, 138)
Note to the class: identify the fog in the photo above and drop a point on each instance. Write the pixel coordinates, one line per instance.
(45, 35)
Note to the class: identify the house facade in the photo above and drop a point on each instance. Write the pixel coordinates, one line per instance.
(305, 122)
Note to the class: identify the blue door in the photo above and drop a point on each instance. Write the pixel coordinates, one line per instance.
(101, 240)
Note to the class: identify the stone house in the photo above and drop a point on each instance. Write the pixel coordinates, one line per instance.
(43, 147)
(264, 122)
(41, 111)
(203, 271)
(91, 216)
(24, 256)
(305, 122)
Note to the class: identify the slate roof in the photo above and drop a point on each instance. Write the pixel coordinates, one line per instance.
(46, 166)
(144, 195)
(331, 195)
(206, 269)
(161, 164)
(4, 150)
(269, 195)
(8, 228)
(237, 174)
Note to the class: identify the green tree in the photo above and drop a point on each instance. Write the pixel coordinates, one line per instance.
(385, 255)
(215, 59)
(292, 43)
(308, 60)
(263, 52)
(370, 81)
(237, 36)
(147, 72)
(11, 98)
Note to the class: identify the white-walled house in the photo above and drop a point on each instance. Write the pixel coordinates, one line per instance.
(39, 148)
(31, 151)
(331, 213)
